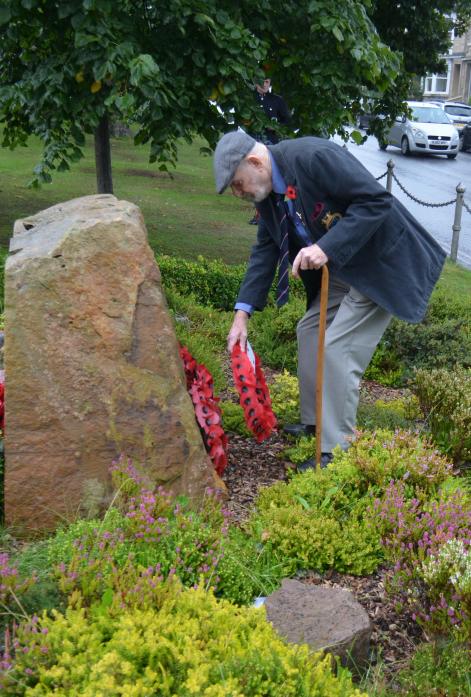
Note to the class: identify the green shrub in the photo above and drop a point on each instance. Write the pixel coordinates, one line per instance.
(441, 340)
(321, 519)
(436, 670)
(169, 537)
(190, 645)
(210, 282)
(445, 399)
(273, 334)
(248, 568)
(233, 419)
(3, 258)
(397, 413)
(315, 522)
(284, 393)
(385, 366)
(203, 330)
(374, 459)
(302, 450)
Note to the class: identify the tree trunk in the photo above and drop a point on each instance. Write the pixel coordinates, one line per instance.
(104, 179)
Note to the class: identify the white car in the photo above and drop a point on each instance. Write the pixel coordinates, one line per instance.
(429, 130)
(458, 113)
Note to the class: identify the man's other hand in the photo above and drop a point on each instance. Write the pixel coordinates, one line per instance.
(309, 258)
(238, 332)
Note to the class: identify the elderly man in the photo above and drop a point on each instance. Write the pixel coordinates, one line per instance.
(382, 262)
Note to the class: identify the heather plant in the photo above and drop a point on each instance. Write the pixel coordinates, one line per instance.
(381, 456)
(12, 588)
(447, 575)
(436, 669)
(148, 532)
(415, 531)
(445, 399)
(189, 644)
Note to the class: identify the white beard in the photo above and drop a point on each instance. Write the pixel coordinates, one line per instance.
(260, 194)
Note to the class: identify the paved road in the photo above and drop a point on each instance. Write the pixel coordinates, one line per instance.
(429, 178)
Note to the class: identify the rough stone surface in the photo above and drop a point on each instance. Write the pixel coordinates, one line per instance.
(92, 364)
(323, 617)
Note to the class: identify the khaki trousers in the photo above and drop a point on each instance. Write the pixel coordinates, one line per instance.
(355, 324)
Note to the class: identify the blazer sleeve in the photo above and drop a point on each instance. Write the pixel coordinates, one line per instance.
(260, 271)
(366, 203)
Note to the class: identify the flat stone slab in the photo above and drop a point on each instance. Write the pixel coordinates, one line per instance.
(325, 618)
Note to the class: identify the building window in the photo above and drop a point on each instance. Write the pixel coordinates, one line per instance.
(438, 84)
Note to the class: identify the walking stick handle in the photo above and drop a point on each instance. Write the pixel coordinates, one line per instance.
(320, 360)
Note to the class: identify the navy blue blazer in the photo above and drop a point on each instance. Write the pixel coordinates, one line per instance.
(371, 240)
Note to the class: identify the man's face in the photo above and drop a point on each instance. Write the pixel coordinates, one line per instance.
(252, 181)
(263, 89)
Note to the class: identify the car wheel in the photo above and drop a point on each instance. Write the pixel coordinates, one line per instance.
(452, 157)
(405, 149)
(460, 146)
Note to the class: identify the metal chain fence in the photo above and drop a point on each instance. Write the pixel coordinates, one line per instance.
(417, 200)
(458, 201)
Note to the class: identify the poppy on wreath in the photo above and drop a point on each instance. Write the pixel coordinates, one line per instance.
(291, 192)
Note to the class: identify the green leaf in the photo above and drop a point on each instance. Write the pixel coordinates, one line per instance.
(357, 137)
(303, 502)
(5, 15)
(337, 33)
(107, 598)
(328, 496)
(204, 19)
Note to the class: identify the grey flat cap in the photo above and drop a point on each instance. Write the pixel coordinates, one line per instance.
(229, 153)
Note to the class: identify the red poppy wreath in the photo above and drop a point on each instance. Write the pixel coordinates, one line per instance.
(199, 382)
(254, 396)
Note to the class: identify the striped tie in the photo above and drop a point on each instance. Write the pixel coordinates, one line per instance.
(282, 294)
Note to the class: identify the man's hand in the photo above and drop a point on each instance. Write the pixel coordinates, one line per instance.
(309, 258)
(238, 331)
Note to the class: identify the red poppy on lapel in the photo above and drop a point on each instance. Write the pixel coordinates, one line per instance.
(318, 208)
(291, 192)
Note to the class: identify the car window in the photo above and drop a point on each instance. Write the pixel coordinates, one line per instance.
(429, 115)
(458, 110)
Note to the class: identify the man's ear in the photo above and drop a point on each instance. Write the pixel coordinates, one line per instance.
(255, 161)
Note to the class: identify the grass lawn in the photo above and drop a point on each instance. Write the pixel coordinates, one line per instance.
(184, 215)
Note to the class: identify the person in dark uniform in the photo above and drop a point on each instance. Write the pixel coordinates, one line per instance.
(276, 109)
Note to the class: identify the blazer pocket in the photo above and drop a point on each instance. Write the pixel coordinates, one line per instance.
(393, 244)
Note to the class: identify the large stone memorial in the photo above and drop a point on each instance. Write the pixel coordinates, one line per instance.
(92, 364)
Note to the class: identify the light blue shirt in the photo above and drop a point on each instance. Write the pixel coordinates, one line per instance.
(279, 187)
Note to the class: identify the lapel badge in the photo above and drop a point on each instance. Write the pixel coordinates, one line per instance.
(330, 219)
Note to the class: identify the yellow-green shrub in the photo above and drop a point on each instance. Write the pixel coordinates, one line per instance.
(233, 419)
(191, 645)
(284, 393)
(321, 519)
(314, 522)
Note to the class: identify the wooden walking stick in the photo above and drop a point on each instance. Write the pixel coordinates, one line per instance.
(320, 360)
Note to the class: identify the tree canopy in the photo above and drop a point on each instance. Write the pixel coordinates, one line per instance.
(178, 68)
